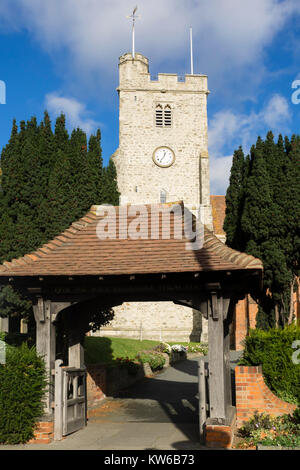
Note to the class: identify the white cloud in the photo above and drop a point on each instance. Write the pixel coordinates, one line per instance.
(230, 129)
(219, 174)
(76, 112)
(95, 32)
(276, 114)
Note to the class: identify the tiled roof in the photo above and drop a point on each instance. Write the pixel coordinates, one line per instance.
(218, 204)
(79, 251)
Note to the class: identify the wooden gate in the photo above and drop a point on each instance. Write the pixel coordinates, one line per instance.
(70, 400)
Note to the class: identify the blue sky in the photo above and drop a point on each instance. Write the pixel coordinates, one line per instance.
(62, 55)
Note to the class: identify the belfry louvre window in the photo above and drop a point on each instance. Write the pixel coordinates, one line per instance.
(163, 116)
(159, 116)
(167, 116)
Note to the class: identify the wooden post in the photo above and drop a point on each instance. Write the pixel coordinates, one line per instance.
(202, 399)
(58, 410)
(76, 350)
(46, 344)
(218, 358)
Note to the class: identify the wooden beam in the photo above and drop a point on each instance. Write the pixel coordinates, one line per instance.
(58, 410)
(45, 344)
(45, 313)
(218, 357)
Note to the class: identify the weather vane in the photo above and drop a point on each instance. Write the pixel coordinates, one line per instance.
(134, 17)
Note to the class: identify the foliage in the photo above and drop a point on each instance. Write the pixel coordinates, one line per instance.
(262, 219)
(126, 363)
(100, 318)
(48, 180)
(155, 359)
(263, 429)
(22, 387)
(194, 347)
(273, 350)
(198, 348)
(164, 348)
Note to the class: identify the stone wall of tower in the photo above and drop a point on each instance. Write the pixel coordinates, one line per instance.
(140, 180)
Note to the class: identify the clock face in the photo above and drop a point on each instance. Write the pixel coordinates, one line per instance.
(163, 157)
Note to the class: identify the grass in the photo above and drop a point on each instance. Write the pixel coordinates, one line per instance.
(106, 350)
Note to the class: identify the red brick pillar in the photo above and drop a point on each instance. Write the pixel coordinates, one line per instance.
(252, 394)
(43, 433)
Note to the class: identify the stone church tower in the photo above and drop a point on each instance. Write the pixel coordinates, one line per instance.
(162, 154)
(162, 157)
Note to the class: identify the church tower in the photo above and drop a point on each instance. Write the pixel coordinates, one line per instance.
(162, 154)
(162, 157)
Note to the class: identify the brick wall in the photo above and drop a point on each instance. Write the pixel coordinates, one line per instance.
(218, 437)
(252, 394)
(43, 433)
(95, 384)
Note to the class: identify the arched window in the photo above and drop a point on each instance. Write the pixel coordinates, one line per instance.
(159, 116)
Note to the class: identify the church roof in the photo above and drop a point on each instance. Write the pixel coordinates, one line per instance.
(79, 251)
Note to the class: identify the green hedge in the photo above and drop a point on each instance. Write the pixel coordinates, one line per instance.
(22, 387)
(154, 359)
(273, 350)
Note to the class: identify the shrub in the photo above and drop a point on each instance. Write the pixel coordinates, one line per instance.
(198, 348)
(154, 359)
(164, 348)
(22, 387)
(273, 350)
(279, 431)
(126, 363)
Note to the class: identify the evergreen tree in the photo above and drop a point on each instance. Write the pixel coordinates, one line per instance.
(110, 194)
(268, 227)
(235, 200)
(60, 203)
(61, 136)
(95, 169)
(48, 180)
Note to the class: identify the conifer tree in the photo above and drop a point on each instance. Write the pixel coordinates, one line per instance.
(269, 224)
(60, 203)
(95, 169)
(234, 201)
(48, 180)
(110, 194)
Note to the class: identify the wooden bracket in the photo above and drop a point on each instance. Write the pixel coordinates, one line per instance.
(39, 310)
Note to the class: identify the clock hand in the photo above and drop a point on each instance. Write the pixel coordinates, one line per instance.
(163, 156)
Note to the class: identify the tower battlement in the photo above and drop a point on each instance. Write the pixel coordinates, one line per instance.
(134, 74)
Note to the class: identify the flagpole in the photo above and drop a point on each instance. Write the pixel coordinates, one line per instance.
(191, 48)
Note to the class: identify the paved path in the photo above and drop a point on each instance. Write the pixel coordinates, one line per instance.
(157, 413)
